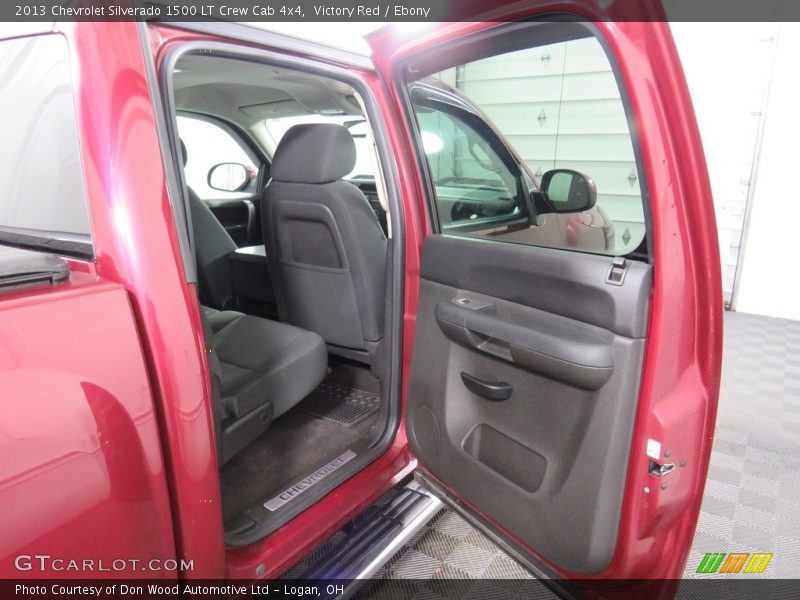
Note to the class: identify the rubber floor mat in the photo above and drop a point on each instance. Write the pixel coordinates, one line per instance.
(343, 405)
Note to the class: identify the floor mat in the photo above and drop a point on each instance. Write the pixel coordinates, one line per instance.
(340, 404)
(298, 443)
(293, 447)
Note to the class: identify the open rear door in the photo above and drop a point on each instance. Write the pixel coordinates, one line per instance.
(566, 357)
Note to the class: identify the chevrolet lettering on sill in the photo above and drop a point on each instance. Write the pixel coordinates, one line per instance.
(301, 486)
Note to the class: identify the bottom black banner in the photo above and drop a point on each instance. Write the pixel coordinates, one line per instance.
(391, 589)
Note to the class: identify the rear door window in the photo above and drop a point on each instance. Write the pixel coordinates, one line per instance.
(43, 200)
(555, 106)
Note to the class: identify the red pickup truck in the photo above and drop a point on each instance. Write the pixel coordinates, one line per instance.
(249, 282)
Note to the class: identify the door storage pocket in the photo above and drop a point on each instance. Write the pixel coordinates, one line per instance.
(509, 459)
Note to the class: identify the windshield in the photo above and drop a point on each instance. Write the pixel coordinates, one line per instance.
(356, 125)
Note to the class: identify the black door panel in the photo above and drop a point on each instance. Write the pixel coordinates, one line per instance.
(523, 390)
(567, 283)
(557, 348)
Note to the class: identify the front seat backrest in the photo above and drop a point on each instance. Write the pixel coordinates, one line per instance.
(325, 247)
(213, 247)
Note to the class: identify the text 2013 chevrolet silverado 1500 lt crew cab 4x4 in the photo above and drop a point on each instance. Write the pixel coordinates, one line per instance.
(249, 282)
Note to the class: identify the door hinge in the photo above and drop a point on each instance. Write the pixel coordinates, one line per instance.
(619, 267)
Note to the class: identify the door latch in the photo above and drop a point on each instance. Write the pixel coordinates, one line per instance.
(661, 470)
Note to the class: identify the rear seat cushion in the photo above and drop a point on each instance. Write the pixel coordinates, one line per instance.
(263, 360)
(217, 319)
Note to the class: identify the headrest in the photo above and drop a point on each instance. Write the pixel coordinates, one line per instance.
(314, 153)
(184, 154)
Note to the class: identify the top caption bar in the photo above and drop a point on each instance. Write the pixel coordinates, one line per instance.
(395, 11)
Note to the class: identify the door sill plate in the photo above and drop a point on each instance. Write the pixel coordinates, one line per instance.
(294, 491)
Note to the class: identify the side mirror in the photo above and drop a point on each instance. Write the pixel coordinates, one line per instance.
(229, 177)
(565, 191)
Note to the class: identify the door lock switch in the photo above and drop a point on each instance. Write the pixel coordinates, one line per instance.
(617, 271)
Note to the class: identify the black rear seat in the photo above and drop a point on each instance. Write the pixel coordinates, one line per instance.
(262, 369)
